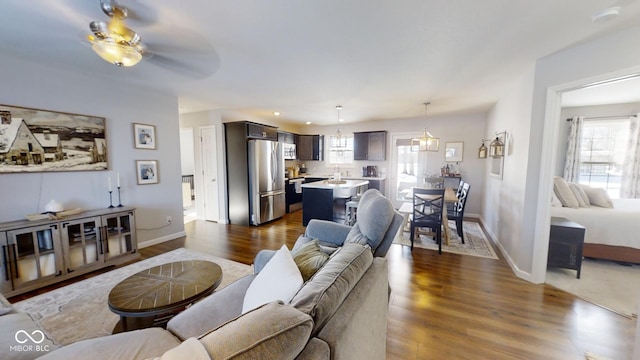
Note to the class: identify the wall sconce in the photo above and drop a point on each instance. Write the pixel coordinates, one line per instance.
(496, 147)
(482, 151)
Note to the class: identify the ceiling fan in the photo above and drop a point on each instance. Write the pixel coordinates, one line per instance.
(179, 50)
(113, 41)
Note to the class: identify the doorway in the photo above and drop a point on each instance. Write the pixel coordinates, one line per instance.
(601, 103)
(187, 159)
(407, 170)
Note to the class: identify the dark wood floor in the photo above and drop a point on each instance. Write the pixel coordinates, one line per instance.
(449, 306)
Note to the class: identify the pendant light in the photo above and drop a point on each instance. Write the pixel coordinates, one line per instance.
(340, 140)
(427, 142)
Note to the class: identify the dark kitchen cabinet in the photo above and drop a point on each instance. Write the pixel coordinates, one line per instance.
(286, 137)
(310, 147)
(259, 131)
(370, 145)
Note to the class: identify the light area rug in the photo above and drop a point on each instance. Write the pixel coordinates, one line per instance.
(604, 283)
(80, 311)
(475, 242)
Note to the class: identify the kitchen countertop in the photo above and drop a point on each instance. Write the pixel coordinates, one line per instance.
(343, 177)
(326, 185)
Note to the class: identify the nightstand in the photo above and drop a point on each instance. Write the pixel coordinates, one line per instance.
(566, 241)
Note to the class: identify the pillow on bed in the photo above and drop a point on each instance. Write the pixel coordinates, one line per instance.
(564, 193)
(597, 196)
(577, 192)
(555, 202)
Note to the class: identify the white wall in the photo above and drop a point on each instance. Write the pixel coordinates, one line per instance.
(503, 199)
(37, 86)
(469, 128)
(187, 156)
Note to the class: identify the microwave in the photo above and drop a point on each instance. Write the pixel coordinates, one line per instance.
(289, 151)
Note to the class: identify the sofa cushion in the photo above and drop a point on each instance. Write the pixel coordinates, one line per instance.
(22, 338)
(272, 331)
(280, 279)
(321, 296)
(138, 344)
(5, 306)
(375, 213)
(309, 257)
(564, 193)
(191, 349)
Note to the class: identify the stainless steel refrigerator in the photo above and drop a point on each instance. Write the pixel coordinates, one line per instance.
(266, 181)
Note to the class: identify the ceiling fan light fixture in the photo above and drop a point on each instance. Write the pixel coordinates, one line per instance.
(115, 53)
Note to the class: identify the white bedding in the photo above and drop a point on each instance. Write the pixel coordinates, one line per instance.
(619, 226)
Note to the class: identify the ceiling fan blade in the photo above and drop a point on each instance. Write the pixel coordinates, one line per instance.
(190, 68)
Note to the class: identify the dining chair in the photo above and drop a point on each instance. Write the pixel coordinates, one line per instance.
(451, 206)
(427, 212)
(457, 213)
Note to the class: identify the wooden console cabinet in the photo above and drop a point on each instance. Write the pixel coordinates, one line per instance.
(566, 241)
(39, 253)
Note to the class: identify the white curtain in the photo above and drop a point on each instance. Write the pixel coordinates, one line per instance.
(630, 187)
(572, 160)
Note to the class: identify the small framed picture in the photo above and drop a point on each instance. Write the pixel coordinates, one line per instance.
(147, 172)
(144, 136)
(453, 151)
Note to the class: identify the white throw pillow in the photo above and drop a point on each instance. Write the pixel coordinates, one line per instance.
(280, 279)
(564, 193)
(555, 202)
(597, 196)
(577, 193)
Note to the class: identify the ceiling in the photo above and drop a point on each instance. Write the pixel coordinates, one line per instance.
(379, 59)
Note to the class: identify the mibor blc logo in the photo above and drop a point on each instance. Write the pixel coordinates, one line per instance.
(29, 342)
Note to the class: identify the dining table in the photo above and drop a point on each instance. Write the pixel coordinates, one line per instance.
(450, 197)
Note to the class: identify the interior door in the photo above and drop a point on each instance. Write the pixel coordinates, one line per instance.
(209, 173)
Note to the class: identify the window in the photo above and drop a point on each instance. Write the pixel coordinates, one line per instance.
(602, 153)
(341, 152)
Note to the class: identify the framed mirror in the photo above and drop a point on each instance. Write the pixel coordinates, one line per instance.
(453, 151)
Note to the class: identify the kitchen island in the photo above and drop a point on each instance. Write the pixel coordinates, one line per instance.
(326, 199)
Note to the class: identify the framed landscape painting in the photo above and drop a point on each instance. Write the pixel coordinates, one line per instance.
(33, 140)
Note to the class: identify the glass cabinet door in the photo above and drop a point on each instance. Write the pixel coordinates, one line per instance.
(81, 242)
(34, 254)
(5, 275)
(119, 239)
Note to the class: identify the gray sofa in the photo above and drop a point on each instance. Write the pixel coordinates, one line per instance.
(339, 313)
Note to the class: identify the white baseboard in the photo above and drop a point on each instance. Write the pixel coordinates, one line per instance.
(516, 270)
(160, 240)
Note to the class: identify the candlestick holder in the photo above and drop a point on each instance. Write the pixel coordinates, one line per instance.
(119, 198)
(110, 199)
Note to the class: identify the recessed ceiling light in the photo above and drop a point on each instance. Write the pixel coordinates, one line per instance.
(308, 123)
(606, 14)
(276, 113)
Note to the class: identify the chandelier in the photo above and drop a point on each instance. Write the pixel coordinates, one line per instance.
(427, 142)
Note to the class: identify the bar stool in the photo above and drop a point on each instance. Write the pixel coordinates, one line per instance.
(351, 208)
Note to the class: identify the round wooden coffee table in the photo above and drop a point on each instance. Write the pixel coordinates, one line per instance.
(151, 297)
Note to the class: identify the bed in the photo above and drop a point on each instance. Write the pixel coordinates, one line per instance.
(612, 234)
